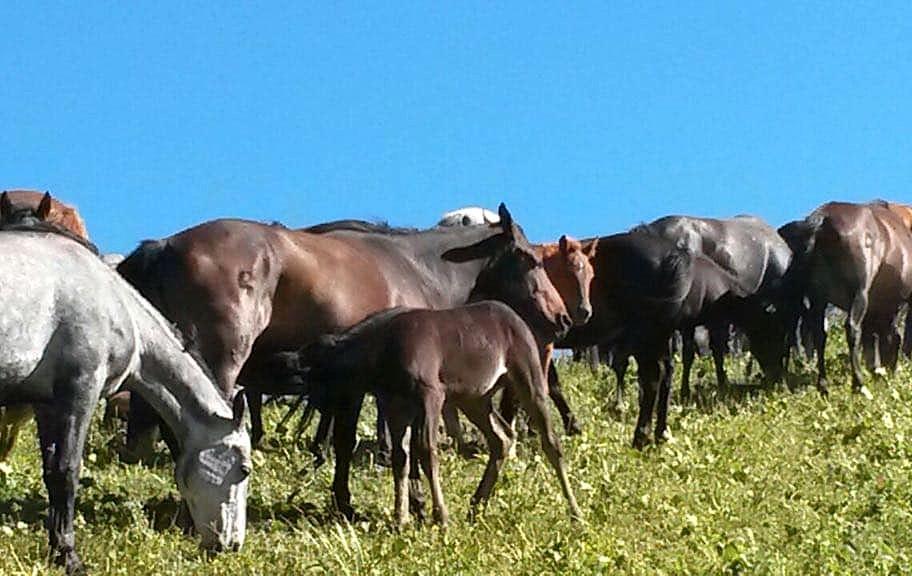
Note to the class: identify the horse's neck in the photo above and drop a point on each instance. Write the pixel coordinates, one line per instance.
(171, 380)
(451, 282)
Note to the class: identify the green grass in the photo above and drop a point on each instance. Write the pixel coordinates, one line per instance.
(778, 482)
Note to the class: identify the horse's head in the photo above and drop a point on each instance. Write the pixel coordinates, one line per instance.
(568, 266)
(11, 215)
(767, 329)
(212, 472)
(514, 273)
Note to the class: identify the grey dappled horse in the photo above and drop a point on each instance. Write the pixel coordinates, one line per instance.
(71, 331)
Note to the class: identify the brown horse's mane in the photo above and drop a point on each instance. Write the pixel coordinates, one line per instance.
(362, 226)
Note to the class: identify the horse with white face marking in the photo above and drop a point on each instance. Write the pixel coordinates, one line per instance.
(71, 331)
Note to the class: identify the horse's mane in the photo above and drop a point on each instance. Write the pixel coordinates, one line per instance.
(49, 228)
(361, 226)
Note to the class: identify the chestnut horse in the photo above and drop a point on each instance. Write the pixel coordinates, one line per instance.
(857, 257)
(16, 205)
(243, 291)
(414, 361)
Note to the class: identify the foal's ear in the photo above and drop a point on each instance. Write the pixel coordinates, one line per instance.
(6, 206)
(44, 208)
(239, 408)
(483, 249)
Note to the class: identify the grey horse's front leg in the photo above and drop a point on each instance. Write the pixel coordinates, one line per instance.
(62, 433)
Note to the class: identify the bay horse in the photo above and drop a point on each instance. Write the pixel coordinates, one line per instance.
(857, 257)
(244, 290)
(30, 207)
(73, 331)
(414, 361)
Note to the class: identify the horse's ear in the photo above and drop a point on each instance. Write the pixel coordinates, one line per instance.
(6, 206)
(44, 208)
(239, 408)
(563, 245)
(506, 220)
(590, 249)
(483, 249)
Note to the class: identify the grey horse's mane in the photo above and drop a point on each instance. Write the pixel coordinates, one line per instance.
(49, 228)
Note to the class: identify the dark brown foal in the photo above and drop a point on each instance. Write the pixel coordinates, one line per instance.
(414, 360)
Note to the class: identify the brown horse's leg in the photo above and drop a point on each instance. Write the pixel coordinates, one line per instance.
(556, 392)
(530, 389)
(496, 430)
(816, 318)
(427, 452)
(688, 352)
(853, 324)
(661, 430)
(345, 424)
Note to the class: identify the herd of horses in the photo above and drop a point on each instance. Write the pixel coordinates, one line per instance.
(199, 326)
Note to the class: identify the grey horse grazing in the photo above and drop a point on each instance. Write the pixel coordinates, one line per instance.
(72, 331)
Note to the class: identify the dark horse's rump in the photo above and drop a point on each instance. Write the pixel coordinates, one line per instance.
(243, 291)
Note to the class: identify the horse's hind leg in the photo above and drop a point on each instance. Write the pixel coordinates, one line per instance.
(619, 362)
(497, 432)
(718, 342)
(255, 408)
(345, 423)
(688, 352)
(816, 318)
(400, 426)
(853, 325)
(529, 388)
(62, 432)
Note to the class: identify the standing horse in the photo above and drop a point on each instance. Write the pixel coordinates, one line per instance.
(857, 257)
(16, 207)
(244, 291)
(414, 361)
(72, 331)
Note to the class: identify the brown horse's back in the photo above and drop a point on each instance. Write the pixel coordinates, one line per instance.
(61, 214)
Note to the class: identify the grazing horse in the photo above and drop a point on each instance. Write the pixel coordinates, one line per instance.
(244, 290)
(857, 257)
(18, 208)
(747, 248)
(71, 332)
(904, 211)
(414, 361)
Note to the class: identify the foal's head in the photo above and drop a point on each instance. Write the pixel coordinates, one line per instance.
(515, 274)
(568, 266)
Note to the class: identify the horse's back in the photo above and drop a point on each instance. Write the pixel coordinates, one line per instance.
(61, 311)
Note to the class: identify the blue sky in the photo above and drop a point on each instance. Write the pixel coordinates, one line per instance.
(584, 119)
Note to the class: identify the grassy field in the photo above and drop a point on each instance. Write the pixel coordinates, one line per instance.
(775, 482)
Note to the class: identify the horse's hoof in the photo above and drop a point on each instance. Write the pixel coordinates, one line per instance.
(383, 460)
(641, 440)
(864, 391)
(469, 450)
(573, 428)
(71, 563)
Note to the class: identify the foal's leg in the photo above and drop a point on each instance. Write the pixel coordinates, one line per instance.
(688, 352)
(345, 424)
(400, 427)
(496, 430)
(62, 432)
(427, 452)
(530, 389)
(853, 324)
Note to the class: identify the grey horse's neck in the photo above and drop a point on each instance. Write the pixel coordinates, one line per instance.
(172, 381)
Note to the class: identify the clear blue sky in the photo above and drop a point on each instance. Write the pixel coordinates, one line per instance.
(585, 120)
